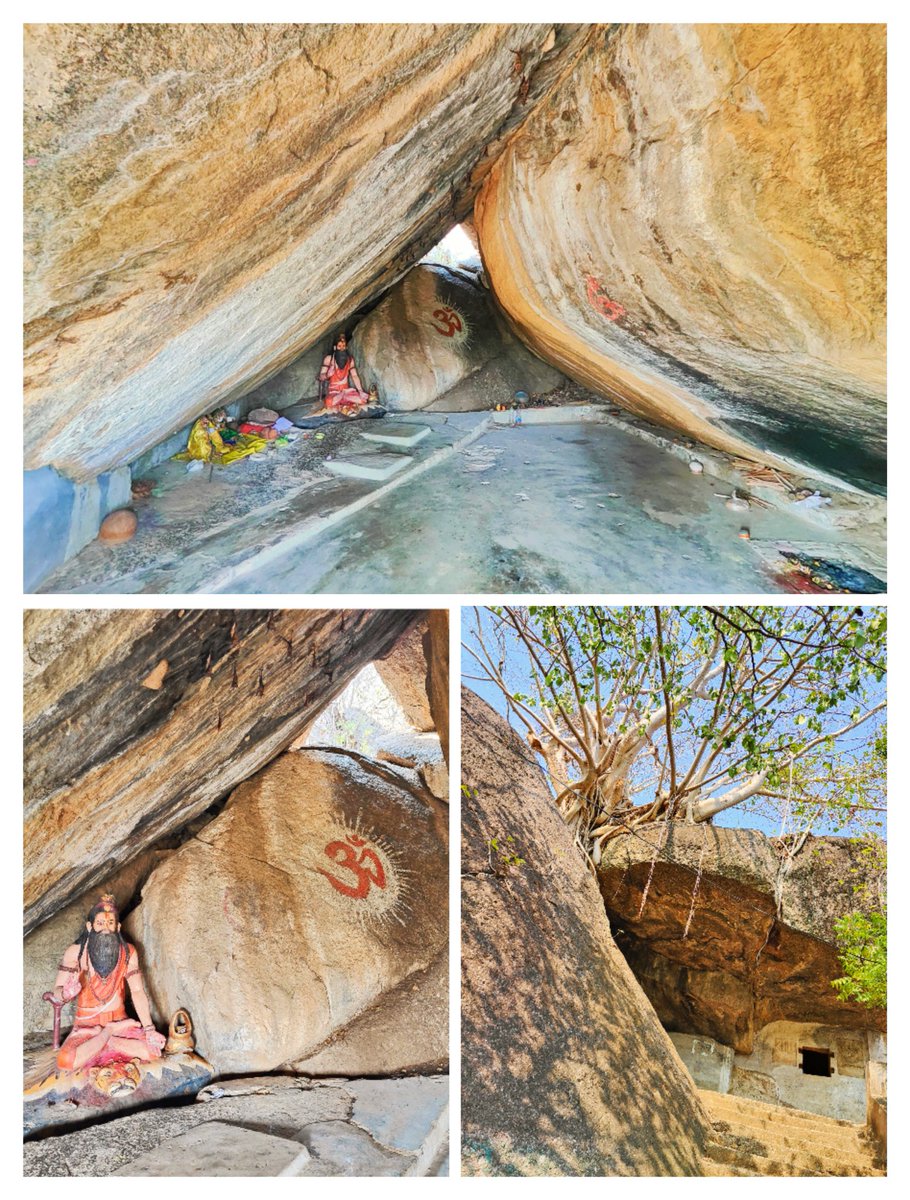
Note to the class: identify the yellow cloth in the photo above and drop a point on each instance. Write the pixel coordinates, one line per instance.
(206, 443)
(247, 443)
(204, 440)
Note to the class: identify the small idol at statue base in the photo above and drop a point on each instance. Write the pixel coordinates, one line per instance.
(108, 1060)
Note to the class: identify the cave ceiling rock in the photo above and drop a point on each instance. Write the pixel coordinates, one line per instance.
(693, 223)
(320, 888)
(741, 965)
(204, 202)
(138, 721)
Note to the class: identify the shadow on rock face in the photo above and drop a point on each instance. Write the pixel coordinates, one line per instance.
(564, 1060)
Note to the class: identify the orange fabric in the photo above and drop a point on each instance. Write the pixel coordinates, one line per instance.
(101, 1000)
(338, 376)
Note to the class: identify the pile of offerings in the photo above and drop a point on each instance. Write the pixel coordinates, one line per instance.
(213, 441)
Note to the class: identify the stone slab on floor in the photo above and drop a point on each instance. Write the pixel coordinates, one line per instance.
(341, 1148)
(369, 466)
(563, 414)
(400, 1113)
(394, 434)
(217, 1148)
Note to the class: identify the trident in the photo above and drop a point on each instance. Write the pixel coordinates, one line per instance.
(58, 1004)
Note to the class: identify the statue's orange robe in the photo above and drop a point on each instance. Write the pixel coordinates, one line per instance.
(100, 1001)
(340, 393)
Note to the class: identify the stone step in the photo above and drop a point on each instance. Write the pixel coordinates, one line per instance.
(376, 467)
(779, 1141)
(721, 1149)
(821, 1141)
(759, 1164)
(710, 1167)
(725, 1106)
(396, 434)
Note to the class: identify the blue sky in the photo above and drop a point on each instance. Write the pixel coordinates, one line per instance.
(517, 676)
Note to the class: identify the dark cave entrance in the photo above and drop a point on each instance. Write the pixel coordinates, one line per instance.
(815, 1062)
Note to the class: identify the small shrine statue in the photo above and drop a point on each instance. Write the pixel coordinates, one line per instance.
(96, 971)
(108, 1060)
(340, 388)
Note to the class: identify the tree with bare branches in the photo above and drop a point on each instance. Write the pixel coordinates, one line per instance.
(645, 714)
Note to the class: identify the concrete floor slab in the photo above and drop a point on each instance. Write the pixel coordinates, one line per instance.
(480, 506)
(400, 1113)
(588, 507)
(395, 434)
(216, 1149)
(341, 1148)
(376, 467)
(112, 1145)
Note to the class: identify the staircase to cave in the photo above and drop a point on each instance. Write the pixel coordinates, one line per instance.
(754, 1138)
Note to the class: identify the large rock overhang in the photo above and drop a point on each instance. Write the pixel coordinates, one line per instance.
(204, 202)
(137, 721)
(694, 225)
(739, 965)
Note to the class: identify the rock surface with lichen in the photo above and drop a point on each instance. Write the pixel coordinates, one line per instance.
(563, 1058)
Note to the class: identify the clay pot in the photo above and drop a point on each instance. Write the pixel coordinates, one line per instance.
(118, 526)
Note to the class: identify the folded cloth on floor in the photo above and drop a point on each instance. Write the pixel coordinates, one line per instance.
(249, 443)
(244, 444)
(282, 425)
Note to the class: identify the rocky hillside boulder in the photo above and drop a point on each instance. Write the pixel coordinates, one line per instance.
(566, 1069)
(416, 672)
(406, 1030)
(694, 225)
(138, 721)
(320, 888)
(742, 963)
(434, 330)
(204, 202)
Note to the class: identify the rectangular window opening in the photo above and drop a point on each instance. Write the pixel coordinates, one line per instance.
(815, 1062)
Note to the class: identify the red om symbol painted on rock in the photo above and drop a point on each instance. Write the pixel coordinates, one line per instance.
(345, 854)
(599, 299)
(450, 319)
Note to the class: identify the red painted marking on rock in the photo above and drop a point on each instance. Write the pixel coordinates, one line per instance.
(451, 320)
(599, 300)
(344, 854)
